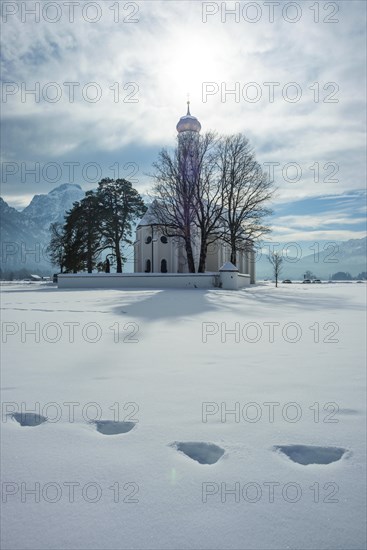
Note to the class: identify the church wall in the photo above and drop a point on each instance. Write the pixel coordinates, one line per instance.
(212, 259)
(174, 253)
(138, 280)
(149, 247)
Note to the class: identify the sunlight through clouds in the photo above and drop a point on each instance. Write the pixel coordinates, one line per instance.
(168, 53)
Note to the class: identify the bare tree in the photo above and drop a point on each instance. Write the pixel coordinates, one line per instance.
(276, 260)
(209, 196)
(309, 275)
(181, 180)
(211, 189)
(247, 190)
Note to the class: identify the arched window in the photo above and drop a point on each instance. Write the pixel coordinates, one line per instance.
(164, 266)
(148, 240)
(164, 239)
(147, 266)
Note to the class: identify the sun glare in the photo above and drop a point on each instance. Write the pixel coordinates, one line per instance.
(190, 62)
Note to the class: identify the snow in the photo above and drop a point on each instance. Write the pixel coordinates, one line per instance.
(228, 266)
(285, 402)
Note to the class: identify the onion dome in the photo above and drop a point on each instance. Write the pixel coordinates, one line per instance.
(188, 123)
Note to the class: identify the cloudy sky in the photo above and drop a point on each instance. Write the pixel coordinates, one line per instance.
(111, 80)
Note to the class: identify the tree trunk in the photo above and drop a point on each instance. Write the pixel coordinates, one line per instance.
(118, 260)
(233, 256)
(190, 256)
(203, 254)
(89, 259)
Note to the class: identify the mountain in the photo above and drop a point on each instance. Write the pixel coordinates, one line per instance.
(51, 208)
(25, 235)
(348, 256)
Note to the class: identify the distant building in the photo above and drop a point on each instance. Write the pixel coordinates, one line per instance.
(154, 252)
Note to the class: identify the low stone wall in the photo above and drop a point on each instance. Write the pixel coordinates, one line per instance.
(243, 280)
(228, 280)
(138, 280)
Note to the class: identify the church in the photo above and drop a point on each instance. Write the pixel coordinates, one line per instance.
(154, 252)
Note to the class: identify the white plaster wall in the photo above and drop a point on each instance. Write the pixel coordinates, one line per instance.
(137, 280)
(174, 253)
(243, 280)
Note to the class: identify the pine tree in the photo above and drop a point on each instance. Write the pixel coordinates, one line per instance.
(56, 248)
(82, 234)
(119, 205)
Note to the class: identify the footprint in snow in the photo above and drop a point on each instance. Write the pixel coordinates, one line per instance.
(308, 454)
(29, 419)
(204, 453)
(109, 427)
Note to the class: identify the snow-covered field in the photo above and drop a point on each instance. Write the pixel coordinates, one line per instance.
(275, 378)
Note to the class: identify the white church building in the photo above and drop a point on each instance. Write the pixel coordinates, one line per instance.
(154, 252)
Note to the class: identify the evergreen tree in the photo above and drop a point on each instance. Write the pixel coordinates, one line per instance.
(82, 234)
(56, 248)
(74, 260)
(119, 204)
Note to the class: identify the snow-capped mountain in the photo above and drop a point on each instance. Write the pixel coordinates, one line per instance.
(25, 234)
(50, 208)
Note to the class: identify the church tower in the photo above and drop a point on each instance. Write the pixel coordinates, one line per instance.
(188, 129)
(155, 252)
(188, 153)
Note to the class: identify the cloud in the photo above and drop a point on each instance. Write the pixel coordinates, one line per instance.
(288, 235)
(310, 222)
(170, 52)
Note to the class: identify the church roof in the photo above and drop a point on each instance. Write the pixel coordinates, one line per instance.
(188, 123)
(228, 266)
(149, 217)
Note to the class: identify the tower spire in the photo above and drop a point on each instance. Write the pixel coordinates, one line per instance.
(188, 122)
